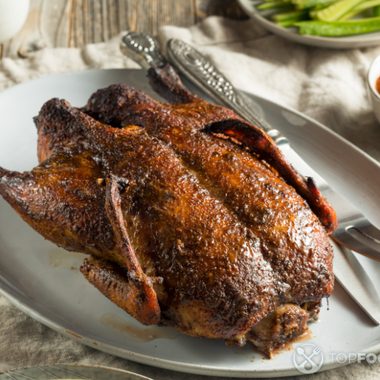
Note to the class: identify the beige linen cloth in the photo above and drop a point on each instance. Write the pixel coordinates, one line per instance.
(328, 85)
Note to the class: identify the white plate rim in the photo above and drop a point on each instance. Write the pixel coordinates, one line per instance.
(158, 362)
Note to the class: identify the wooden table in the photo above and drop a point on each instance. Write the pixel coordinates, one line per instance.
(75, 23)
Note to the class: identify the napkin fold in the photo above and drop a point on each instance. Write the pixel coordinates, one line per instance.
(44, 62)
(328, 85)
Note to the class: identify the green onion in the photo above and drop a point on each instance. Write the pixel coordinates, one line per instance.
(360, 8)
(318, 7)
(337, 10)
(304, 4)
(323, 5)
(275, 4)
(339, 28)
(376, 11)
(286, 19)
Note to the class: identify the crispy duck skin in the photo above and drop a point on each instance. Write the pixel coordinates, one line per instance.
(285, 323)
(178, 230)
(237, 178)
(185, 228)
(121, 105)
(166, 82)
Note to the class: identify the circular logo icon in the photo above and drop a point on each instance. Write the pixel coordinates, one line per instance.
(308, 358)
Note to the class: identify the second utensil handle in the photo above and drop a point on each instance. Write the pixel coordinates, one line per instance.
(199, 70)
(145, 50)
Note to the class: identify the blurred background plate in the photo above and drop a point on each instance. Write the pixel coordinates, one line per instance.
(71, 371)
(346, 42)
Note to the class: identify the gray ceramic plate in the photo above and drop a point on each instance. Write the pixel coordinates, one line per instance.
(44, 281)
(346, 42)
(71, 371)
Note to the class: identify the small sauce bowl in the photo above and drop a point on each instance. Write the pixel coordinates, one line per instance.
(373, 75)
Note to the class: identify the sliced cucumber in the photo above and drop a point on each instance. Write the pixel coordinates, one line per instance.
(339, 28)
(286, 19)
(360, 8)
(337, 10)
(278, 4)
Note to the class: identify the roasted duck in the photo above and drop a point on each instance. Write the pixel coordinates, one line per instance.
(191, 216)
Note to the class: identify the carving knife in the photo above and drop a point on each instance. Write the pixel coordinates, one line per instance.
(354, 279)
(195, 67)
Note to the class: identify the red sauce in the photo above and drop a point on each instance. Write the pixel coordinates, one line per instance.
(377, 85)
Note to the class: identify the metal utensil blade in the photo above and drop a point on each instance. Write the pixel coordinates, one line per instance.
(360, 237)
(354, 279)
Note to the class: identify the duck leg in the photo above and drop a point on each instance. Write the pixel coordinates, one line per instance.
(62, 221)
(55, 199)
(115, 283)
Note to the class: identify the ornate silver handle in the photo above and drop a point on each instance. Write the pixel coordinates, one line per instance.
(199, 70)
(144, 49)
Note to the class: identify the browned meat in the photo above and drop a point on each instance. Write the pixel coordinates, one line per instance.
(185, 228)
(252, 192)
(121, 105)
(282, 325)
(123, 289)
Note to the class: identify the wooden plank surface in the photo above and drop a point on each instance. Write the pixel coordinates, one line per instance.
(75, 23)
